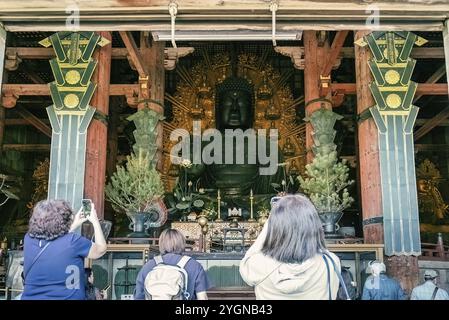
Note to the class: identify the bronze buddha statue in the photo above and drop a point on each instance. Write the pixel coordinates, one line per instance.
(234, 109)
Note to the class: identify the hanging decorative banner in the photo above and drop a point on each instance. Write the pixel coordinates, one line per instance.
(395, 115)
(70, 113)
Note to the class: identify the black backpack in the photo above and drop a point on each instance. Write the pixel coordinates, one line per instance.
(349, 282)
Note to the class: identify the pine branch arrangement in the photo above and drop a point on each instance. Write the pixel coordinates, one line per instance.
(326, 179)
(134, 186)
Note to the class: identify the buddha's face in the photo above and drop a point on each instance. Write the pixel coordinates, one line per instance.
(234, 110)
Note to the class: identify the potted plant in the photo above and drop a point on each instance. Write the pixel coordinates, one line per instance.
(326, 178)
(136, 188)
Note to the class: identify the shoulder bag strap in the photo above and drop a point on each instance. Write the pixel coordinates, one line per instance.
(183, 261)
(434, 294)
(328, 278)
(340, 278)
(35, 259)
(158, 259)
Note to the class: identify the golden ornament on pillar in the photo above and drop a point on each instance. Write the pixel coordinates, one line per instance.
(72, 77)
(392, 77)
(393, 101)
(71, 101)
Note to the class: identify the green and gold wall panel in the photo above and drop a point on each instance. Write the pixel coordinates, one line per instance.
(70, 114)
(395, 115)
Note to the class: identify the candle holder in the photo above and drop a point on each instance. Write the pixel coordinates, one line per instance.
(203, 222)
(251, 202)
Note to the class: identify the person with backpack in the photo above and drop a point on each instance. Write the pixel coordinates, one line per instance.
(429, 289)
(172, 275)
(289, 259)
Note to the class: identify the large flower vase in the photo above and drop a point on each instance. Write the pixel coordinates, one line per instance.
(140, 222)
(330, 223)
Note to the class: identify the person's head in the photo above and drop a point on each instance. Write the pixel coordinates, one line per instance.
(50, 219)
(171, 241)
(430, 275)
(377, 267)
(234, 104)
(295, 232)
(89, 275)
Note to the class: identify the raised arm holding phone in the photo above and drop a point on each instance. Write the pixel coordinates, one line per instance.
(88, 213)
(54, 255)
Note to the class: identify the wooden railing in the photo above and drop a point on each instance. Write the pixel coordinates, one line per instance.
(432, 251)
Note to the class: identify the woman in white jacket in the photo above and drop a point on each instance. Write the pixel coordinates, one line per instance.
(289, 259)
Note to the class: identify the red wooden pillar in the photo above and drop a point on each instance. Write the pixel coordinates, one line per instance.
(154, 88)
(368, 149)
(311, 83)
(315, 57)
(96, 148)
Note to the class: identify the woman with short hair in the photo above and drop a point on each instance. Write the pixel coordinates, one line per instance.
(289, 259)
(172, 245)
(54, 255)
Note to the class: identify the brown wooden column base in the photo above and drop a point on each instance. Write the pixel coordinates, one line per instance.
(373, 233)
(405, 269)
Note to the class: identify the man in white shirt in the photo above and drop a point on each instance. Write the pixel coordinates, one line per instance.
(429, 290)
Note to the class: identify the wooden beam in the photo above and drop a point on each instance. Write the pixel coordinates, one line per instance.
(443, 148)
(430, 89)
(34, 121)
(26, 53)
(27, 147)
(134, 53)
(417, 53)
(437, 75)
(335, 50)
(22, 122)
(421, 122)
(43, 89)
(114, 15)
(432, 123)
(121, 53)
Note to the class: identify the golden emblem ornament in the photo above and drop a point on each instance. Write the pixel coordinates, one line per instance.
(71, 101)
(78, 54)
(72, 77)
(394, 101)
(392, 77)
(396, 53)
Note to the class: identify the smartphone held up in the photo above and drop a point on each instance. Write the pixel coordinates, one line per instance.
(87, 207)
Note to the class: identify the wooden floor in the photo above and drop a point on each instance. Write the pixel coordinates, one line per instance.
(231, 293)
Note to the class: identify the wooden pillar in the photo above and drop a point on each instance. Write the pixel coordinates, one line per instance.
(96, 148)
(2, 59)
(446, 45)
(368, 149)
(315, 57)
(113, 123)
(153, 58)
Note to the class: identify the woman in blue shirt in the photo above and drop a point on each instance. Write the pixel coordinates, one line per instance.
(54, 255)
